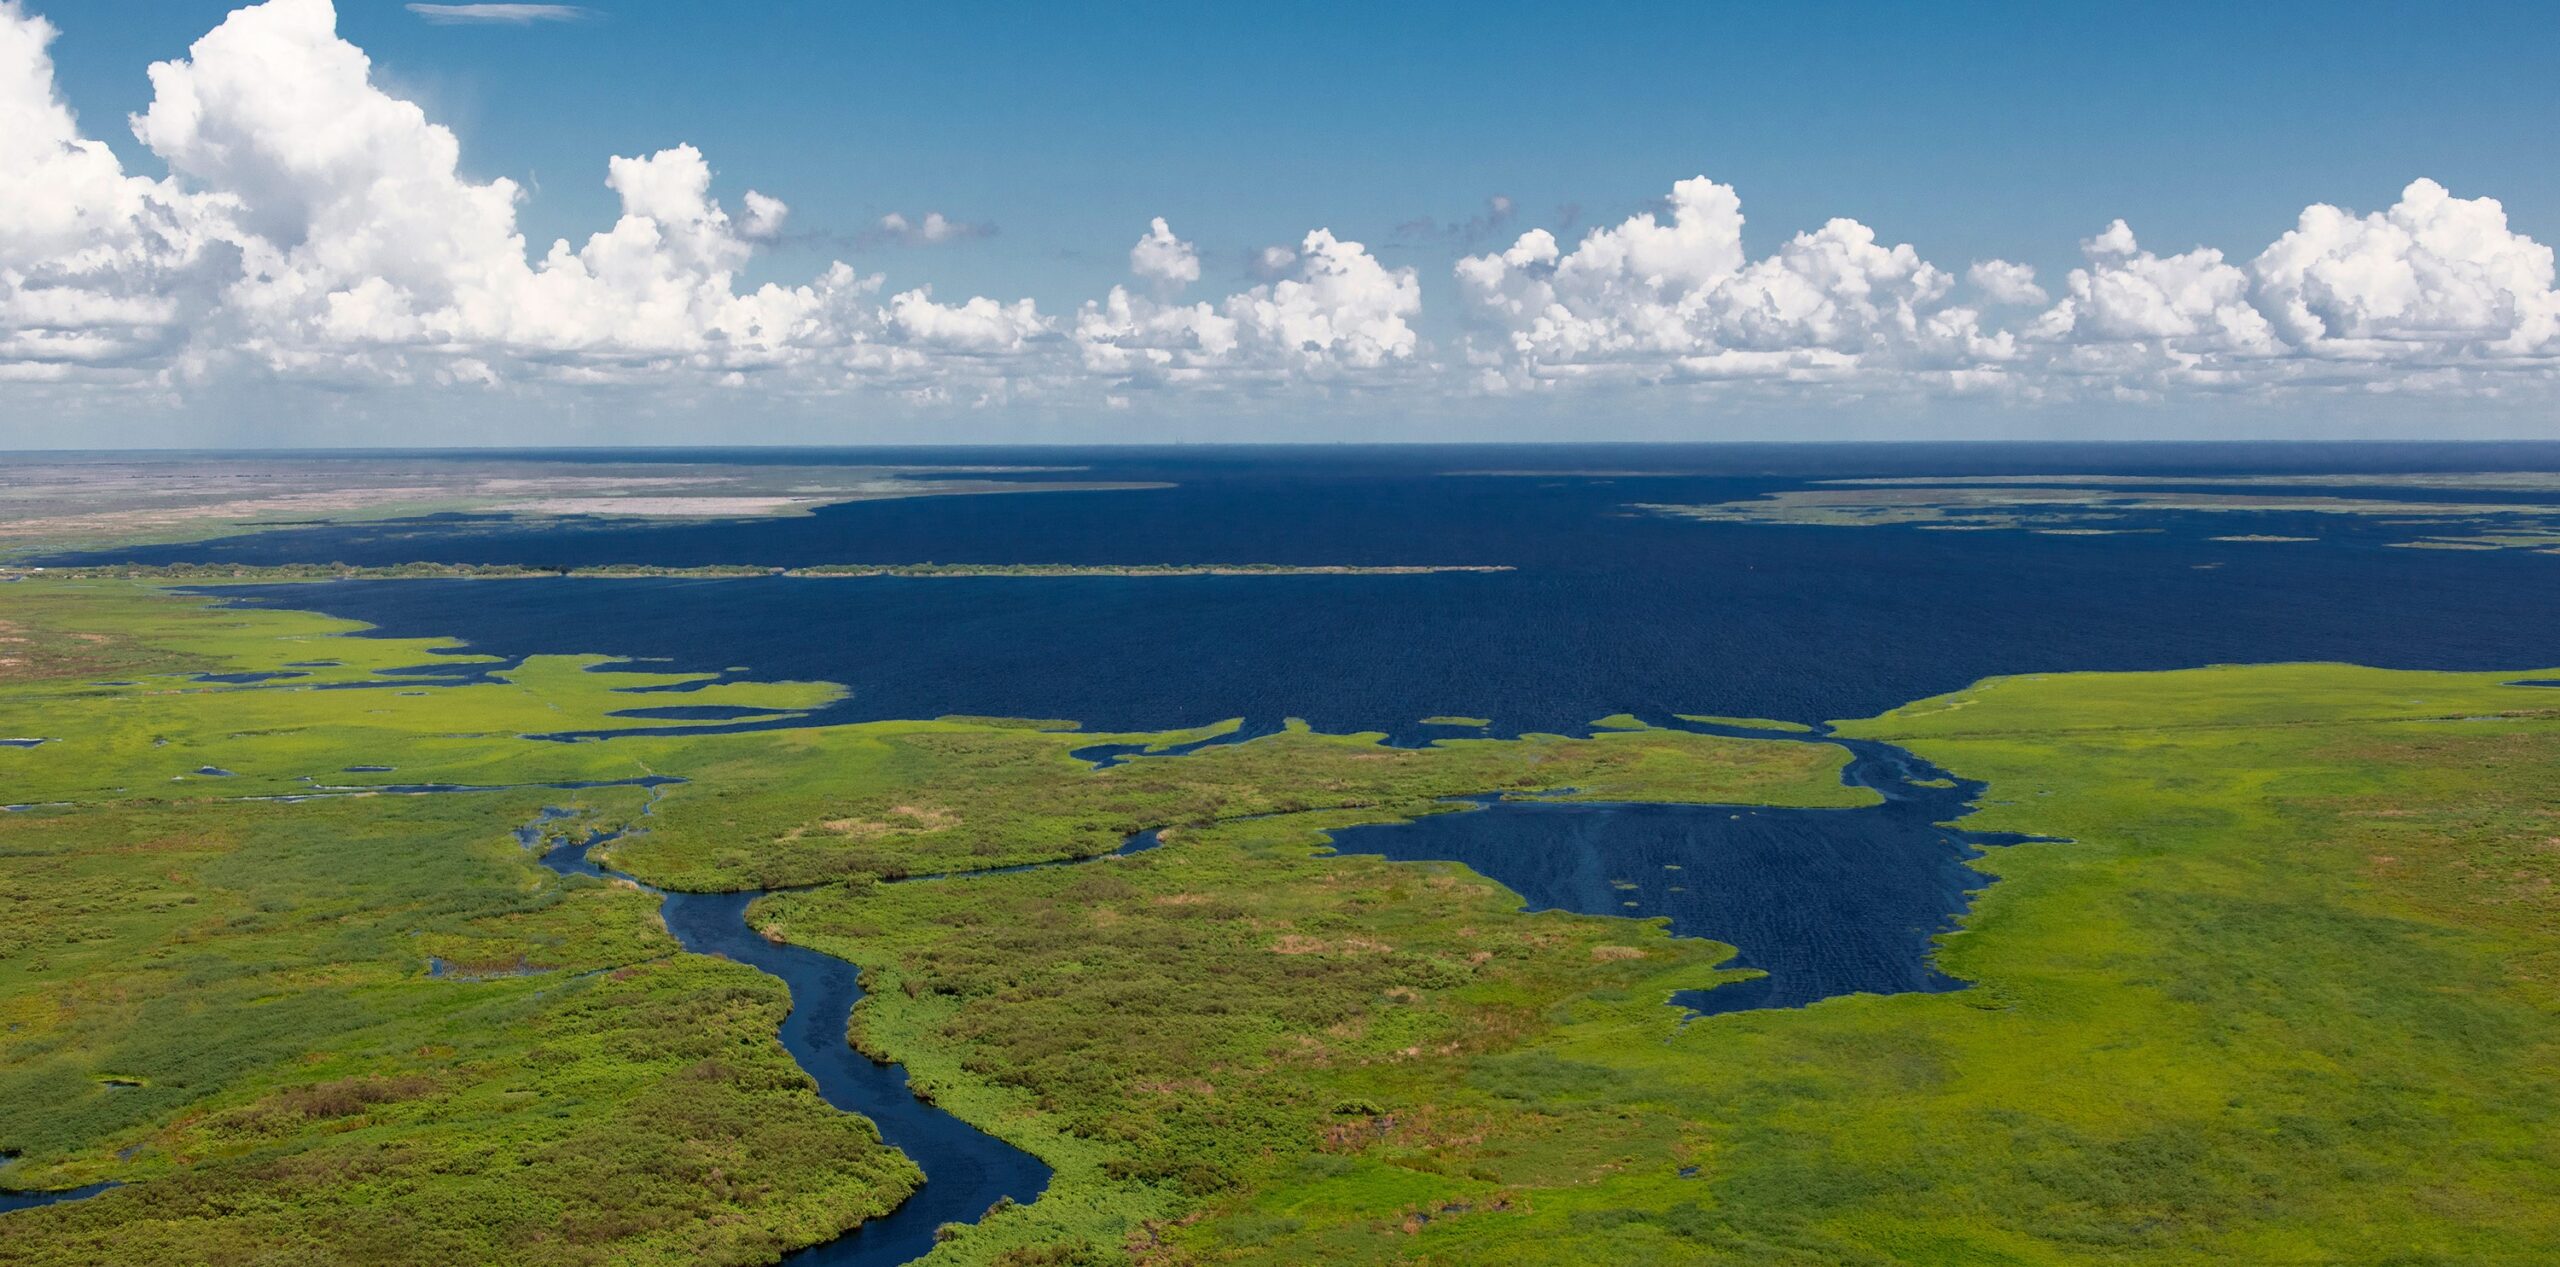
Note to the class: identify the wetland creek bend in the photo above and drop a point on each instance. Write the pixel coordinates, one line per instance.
(966, 1170)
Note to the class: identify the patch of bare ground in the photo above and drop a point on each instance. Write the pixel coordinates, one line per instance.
(901, 819)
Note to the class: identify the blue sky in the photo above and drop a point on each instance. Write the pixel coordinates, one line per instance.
(1968, 131)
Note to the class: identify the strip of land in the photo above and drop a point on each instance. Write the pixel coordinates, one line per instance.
(2529, 481)
(224, 573)
(2033, 505)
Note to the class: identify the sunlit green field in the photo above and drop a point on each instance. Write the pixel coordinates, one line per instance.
(2286, 994)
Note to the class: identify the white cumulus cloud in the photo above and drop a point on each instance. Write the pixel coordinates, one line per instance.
(2126, 294)
(1334, 310)
(1341, 307)
(2004, 283)
(327, 228)
(1164, 259)
(2431, 277)
(99, 270)
(762, 219)
(1651, 300)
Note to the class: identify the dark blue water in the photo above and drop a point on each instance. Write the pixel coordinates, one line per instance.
(10, 1200)
(1825, 902)
(965, 1170)
(1610, 610)
(1106, 755)
(471, 671)
(699, 712)
(440, 789)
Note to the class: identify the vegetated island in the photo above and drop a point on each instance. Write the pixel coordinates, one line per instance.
(224, 573)
(2101, 510)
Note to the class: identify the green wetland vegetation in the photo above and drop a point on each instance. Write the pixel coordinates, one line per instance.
(2283, 993)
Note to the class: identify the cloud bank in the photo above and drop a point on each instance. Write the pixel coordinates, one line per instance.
(2433, 292)
(314, 227)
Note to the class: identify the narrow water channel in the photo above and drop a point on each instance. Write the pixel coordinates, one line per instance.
(966, 1170)
(22, 1200)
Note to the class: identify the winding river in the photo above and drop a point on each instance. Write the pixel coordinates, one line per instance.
(966, 1169)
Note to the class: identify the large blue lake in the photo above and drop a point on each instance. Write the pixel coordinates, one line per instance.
(1609, 610)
